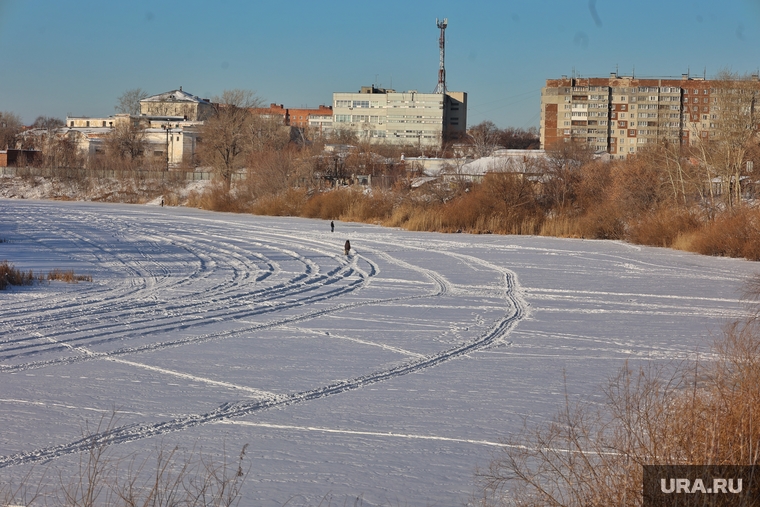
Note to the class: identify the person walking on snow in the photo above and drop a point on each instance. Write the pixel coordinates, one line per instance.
(332, 226)
(347, 247)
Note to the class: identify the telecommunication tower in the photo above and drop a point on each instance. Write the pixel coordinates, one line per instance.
(441, 88)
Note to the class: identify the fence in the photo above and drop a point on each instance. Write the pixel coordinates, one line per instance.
(81, 173)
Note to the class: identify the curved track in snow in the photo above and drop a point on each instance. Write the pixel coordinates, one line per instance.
(166, 280)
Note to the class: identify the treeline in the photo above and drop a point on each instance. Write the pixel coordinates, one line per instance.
(662, 197)
(697, 197)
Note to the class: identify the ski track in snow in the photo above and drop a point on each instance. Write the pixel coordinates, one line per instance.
(234, 278)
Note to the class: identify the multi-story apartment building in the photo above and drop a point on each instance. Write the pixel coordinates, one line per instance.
(620, 114)
(404, 118)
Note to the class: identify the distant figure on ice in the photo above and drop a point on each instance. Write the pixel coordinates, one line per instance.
(332, 226)
(347, 247)
(162, 202)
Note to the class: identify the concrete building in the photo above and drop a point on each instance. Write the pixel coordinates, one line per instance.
(321, 122)
(620, 114)
(177, 103)
(169, 138)
(90, 122)
(403, 118)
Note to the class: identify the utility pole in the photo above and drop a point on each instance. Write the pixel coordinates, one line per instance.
(168, 128)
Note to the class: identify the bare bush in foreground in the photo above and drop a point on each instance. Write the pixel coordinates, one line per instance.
(167, 477)
(589, 455)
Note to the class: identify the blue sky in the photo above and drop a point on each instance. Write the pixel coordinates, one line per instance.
(76, 57)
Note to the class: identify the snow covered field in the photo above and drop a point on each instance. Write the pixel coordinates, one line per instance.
(389, 374)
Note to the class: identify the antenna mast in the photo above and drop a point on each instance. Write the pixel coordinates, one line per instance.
(441, 88)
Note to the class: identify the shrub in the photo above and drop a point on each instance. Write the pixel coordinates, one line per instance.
(591, 454)
(165, 478)
(374, 206)
(288, 203)
(735, 233)
(602, 222)
(329, 205)
(662, 226)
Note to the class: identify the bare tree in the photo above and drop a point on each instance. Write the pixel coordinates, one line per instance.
(129, 101)
(47, 122)
(230, 134)
(519, 139)
(723, 150)
(126, 141)
(10, 126)
(562, 173)
(485, 138)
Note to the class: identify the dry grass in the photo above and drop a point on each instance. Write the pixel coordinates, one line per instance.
(561, 227)
(290, 203)
(733, 234)
(663, 226)
(9, 275)
(167, 477)
(330, 205)
(591, 455)
(67, 276)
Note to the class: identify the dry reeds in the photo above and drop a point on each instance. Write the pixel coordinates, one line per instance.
(67, 276)
(663, 226)
(9, 275)
(167, 477)
(734, 233)
(692, 413)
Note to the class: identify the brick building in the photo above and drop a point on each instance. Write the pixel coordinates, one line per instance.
(620, 114)
(319, 119)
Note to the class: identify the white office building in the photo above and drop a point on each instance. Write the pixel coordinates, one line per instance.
(403, 118)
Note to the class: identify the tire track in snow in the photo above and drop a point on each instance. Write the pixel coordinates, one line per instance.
(439, 289)
(133, 432)
(192, 313)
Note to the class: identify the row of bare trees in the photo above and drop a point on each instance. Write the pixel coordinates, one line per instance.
(486, 137)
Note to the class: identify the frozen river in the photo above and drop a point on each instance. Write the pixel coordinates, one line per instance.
(389, 374)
